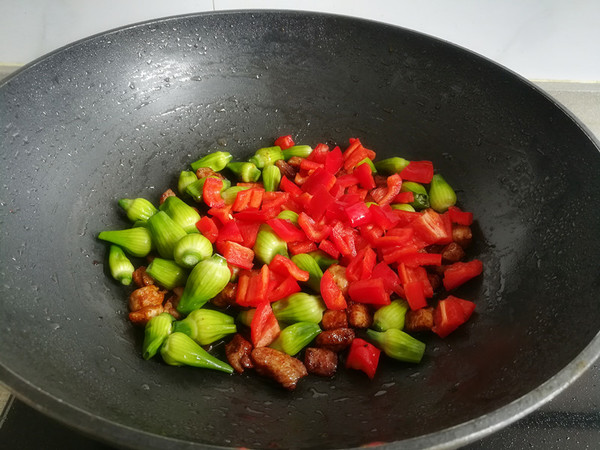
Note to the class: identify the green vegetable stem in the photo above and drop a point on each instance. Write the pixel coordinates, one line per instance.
(165, 233)
(205, 281)
(230, 194)
(295, 337)
(205, 326)
(182, 214)
(441, 194)
(370, 163)
(120, 267)
(306, 262)
(268, 244)
(180, 349)
(167, 273)
(288, 214)
(245, 171)
(191, 249)
(135, 241)
(299, 307)
(390, 316)
(217, 161)
(302, 151)
(403, 207)
(322, 259)
(186, 177)
(194, 189)
(266, 156)
(137, 208)
(245, 316)
(157, 330)
(421, 200)
(398, 345)
(271, 177)
(391, 166)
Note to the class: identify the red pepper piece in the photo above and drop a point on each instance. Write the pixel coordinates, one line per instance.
(258, 286)
(371, 233)
(249, 231)
(230, 232)
(242, 200)
(290, 187)
(405, 217)
(319, 154)
(242, 288)
(236, 254)
(319, 177)
(309, 165)
(418, 171)
(334, 161)
(418, 258)
(460, 217)
(253, 215)
(404, 197)
(396, 237)
(343, 238)
(285, 266)
(264, 328)
(284, 142)
(208, 228)
(320, 202)
(461, 272)
(284, 287)
(223, 214)
(451, 313)
(331, 293)
(370, 291)
(409, 274)
(211, 192)
(329, 248)
(316, 232)
(415, 295)
(286, 230)
(386, 196)
(358, 214)
(358, 192)
(432, 228)
(391, 281)
(298, 247)
(274, 200)
(363, 356)
(365, 176)
(361, 266)
(347, 180)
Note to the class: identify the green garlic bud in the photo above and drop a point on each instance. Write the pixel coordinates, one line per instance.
(323, 259)
(180, 349)
(391, 166)
(206, 280)
(306, 262)
(245, 171)
(206, 326)
(268, 244)
(245, 317)
(137, 209)
(266, 156)
(182, 214)
(195, 188)
(403, 207)
(165, 233)
(186, 177)
(295, 337)
(398, 345)
(302, 151)
(135, 241)
(441, 194)
(421, 200)
(191, 249)
(120, 267)
(390, 316)
(271, 176)
(288, 214)
(167, 273)
(217, 161)
(157, 330)
(299, 307)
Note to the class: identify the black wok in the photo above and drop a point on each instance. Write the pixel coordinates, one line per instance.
(120, 114)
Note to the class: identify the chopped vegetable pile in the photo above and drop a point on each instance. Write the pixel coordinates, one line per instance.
(296, 259)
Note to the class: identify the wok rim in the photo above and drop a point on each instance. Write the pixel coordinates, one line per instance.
(456, 436)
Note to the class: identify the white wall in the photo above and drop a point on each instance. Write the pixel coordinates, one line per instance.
(540, 39)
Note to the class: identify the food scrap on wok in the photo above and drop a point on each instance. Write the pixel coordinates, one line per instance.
(298, 259)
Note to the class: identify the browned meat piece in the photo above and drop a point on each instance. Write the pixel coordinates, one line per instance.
(286, 169)
(142, 316)
(320, 361)
(170, 306)
(283, 368)
(226, 297)
(435, 280)
(238, 352)
(452, 253)
(419, 320)
(461, 234)
(295, 161)
(335, 340)
(339, 276)
(168, 193)
(146, 296)
(333, 319)
(203, 172)
(359, 315)
(141, 278)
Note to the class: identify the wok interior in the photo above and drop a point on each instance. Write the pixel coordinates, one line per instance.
(121, 114)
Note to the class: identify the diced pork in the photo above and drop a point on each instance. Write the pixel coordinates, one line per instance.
(335, 340)
(320, 361)
(419, 320)
(146, 296)
(333, 319)
(238, 352)
(283, 368)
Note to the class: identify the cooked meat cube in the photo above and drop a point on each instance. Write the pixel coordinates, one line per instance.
(335, 340)
(226, 297)
(452, 253)
(146, 296)
(142, 316)
(435, 280)
(333, 319)
(141, 278)
(419, 320)
(295, 161)
(461, 234)
(238, 352)
(359, 315)
(286, 169)
(320, 361)
(203, 172)
(168, 193)
(170, 306)
(283, 368)
(339, 276)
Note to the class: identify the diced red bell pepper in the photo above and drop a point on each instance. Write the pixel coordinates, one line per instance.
(316, 232)
(334, 161)
(319, 154)
(409, 274)
(359, 193)
(386, 196)
(309, 165)
(404, 197)
(405, 217)
(451, 313)
(460, 217)
(353, 158)
(418, 171)
(415, 295)
(461, 272)
(320, 202)
(331, 293)
(284, 142)
(295, 248)
(290, 187)
(337, 190)
(264, 328)
(257, 288)
(358, 214)
(286, 230)
(361, 266)
(391, 281)
(230, 232)
(208, 228)
(432, 227)
(363, 356)
(211, 192)
(249, 231)
(329, 248)
(254, 215)
(418, 258)
(284, 288)
(343, 238)
(223, 214)
(236, 254)
(242, 287)
(274, 200)
(249, 198)
(370, 291)
(393, 254)
(365, 176)
(371, 233)
(319, 177)
(396, 237)
(285, 266)
(347, 180)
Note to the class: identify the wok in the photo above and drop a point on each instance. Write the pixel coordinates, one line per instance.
(121, 113)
